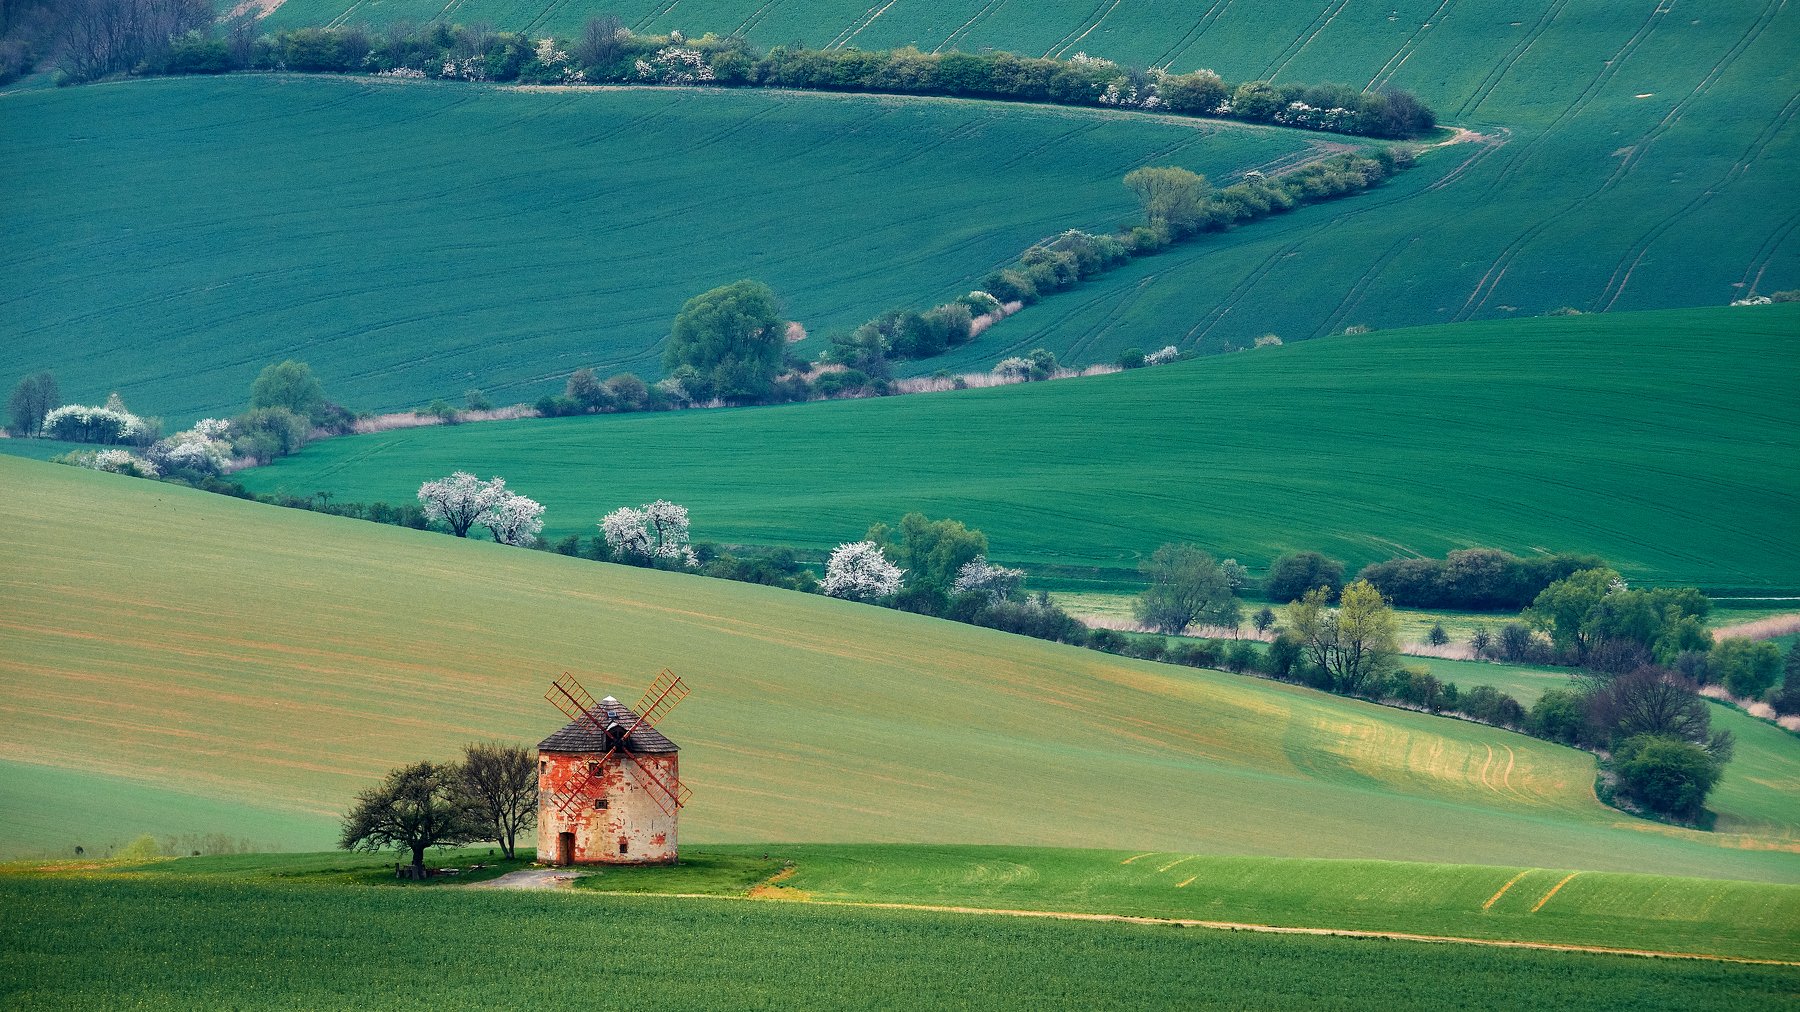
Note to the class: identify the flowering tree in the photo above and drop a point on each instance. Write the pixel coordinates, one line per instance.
(514, 520)
(859, 572)
(116, 461)
(460, 500)
(659, 530)
(978, 576)
(82, 423)
(204, 448)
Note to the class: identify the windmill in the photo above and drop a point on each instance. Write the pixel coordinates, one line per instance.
(609, 783)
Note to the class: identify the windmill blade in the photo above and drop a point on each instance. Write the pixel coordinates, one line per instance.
(670, 794)
(576, 703)
(568, 799)
(663, 696)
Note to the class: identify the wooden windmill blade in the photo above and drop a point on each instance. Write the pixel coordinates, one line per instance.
(664, 694)
(670, 794)
(576, 703)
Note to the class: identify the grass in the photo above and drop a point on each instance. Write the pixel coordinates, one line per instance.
(1632, 159)
(1745, 920)
(1667, 454)
(244, 653)
(93, 943)
(412, 263)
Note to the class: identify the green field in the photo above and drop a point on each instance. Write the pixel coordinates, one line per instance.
(76, 943)
(1666, 443)
(227, 651)
(1633, 157)
(493, 238)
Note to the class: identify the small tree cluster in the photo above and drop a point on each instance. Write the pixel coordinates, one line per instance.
(859, 571)
(490, 795)
(462, 501)
(655, 532)
(1475, 579)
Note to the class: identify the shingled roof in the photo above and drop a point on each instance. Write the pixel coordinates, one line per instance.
(583, 736)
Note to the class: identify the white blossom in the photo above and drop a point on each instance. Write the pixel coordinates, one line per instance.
(460, 500)
(859, 571)
(675, 65)
(658, 530)
(514, 520)
(978, 576)
(203, 448)
(1163, 355)
(115, 460)
(405, 72)
(82, 423)
(1013, 368)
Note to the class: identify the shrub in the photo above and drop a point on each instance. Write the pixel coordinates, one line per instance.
(1109, 640)
(1560, 715)
(1484, 702)
(1131, 358)
(1241, 656)
(1285, 653)
(80, 423)
(1196, 654)
(1665, 774)
(1293, 574)
(1747, 668)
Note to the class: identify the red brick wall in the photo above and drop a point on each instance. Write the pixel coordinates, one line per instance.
(632, 816)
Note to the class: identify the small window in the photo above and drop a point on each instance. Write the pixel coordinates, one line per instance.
(543, 764)
(593, 769)
(600, 804)
(624, 845)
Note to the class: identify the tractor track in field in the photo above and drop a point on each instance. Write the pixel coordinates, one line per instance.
(1386, 74)
(1208, 18)
(777, 896)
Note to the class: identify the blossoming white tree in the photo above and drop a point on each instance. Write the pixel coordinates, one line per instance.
(859, 571)
(204, 448)
(979, 576)
(460, 500)
(659, 530)
(514, 520)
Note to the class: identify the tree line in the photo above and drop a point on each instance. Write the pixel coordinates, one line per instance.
(98, 38)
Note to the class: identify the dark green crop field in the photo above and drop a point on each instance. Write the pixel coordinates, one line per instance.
(1629, 156)
(78, 943)
(413, 241)
(1665, 442)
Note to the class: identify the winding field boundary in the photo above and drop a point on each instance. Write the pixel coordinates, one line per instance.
(774, 896)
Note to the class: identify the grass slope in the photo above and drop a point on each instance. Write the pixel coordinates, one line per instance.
(163, 636)
(1635, 159)
(1632, 157)
(1665, 442)
(411, 242)
(101, 944)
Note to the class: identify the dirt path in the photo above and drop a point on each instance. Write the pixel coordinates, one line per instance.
(530, 878)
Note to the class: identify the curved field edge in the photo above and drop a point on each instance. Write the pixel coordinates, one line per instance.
(1664, 442)
(367, 235)
(217, 943)
(286, 659)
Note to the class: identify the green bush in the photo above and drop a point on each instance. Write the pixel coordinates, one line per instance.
(1747, 668)
(1665, 775)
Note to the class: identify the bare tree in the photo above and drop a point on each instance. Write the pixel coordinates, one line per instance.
(599, 41)
(1650, 701)
(31, 400)
(498, 784)
(102, 37)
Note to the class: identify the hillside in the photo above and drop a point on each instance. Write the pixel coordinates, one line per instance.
(500, 239)
(1630, 156)
(279, 660)
(1664, 442)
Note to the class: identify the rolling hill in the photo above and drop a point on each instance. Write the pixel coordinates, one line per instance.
(479, 237)
(1628, 156)
(277, 660)
(1664, 442)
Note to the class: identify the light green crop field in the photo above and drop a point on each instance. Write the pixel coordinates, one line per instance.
(225, 650)
(77, 943)
(413, 241)
(1664, 442)
(1630, 156)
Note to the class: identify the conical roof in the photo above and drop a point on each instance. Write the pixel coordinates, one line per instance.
(584, 736)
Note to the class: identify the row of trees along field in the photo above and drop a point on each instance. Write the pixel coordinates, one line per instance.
(91, 39)
(729, 345)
